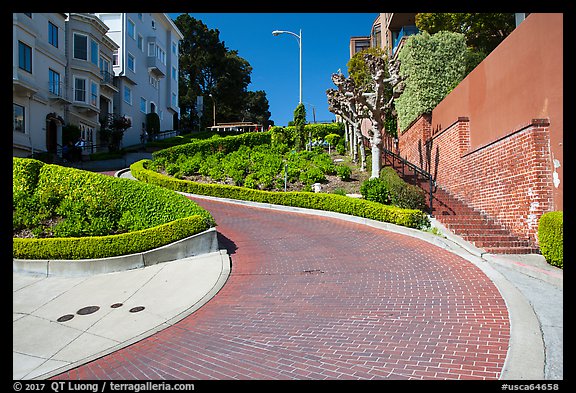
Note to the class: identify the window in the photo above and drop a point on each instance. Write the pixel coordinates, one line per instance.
(140, 42)
(131, 29)
(151, 49)
(131, 62)
(80, 89)
(174, 74)
(18, 119)
(128, 95)
(104, 66)
(53, 34)
(161, 54)
(80, 47)
(143, 105)
(24, 57)
(153, 81)
(115, 58)
(174, 48)
(174, 100)
(140, 15)
(54, 82)
(94, 52)
(93, 94)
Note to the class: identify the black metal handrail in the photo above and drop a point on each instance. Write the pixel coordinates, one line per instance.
(416, 169)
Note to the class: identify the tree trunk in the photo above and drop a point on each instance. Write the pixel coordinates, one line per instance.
(376, 145)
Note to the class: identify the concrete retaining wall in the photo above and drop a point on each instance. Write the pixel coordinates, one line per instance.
(201, 243)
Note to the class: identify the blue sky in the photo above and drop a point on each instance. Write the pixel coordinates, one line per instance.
(275, 60)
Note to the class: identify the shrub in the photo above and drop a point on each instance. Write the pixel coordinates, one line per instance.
(551, 237)
(91, 204)
(402, 194)
(433, 65)
(344, 172)
(375, 190)
(321, 201)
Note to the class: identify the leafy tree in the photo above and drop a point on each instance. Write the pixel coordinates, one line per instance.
(256, 108)
(208, 67)
(483, 31)
(112, 128)
(358, 69)
(299, 123)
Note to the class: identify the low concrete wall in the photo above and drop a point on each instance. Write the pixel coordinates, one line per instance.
(201, 243)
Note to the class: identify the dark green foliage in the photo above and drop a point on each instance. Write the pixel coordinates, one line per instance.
(402, 194)
(551, 237)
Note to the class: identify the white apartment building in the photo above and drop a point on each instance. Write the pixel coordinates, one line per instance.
(38, 73)
(73, 69)
(146, 69)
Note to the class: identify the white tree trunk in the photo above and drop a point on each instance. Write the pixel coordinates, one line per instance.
(376, 146)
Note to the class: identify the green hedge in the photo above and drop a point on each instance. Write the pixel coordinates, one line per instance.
(433, 65)
(330, 202)
(212, 145)
(91, 247)
(551, 237)
(92, 201)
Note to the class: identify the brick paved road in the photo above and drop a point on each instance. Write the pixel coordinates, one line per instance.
(318, 298)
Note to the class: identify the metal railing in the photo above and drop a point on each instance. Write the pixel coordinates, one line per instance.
(415, 169)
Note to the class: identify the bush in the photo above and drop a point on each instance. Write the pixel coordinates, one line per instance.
(321, 201)
(402, 194)
(90, 204)
(551, 237)
(375, 190)
(433, 65)
(344, 172)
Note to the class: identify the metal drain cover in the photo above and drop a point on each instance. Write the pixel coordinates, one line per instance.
(65, 318)
(137, 309)
(87, 310)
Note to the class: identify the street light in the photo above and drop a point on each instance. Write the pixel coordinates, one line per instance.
(299, 38)
(213, 108)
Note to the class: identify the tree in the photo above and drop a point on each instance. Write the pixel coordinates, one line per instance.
(349, 110)
(208, 67)
(256, 108)
(375, 98)
(299, 123)
(112, 128)
(483, 31)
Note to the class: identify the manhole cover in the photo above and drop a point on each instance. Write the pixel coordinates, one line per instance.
(65, 318)
(137, 309)
(312, 271)
(116, 305)
(87, 310)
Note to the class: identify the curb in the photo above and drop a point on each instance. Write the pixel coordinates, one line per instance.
(195, 245)
(525, 357)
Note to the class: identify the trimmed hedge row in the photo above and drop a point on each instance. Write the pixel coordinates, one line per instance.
(212, 145)
(133, 206)
(551, 237)
(91, 247)
(330, 202)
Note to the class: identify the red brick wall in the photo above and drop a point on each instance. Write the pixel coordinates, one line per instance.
(509, 179)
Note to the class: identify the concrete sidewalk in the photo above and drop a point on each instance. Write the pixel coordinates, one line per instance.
(63, 322)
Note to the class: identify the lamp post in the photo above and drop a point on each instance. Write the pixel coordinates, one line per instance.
(299, 38)
(213, 108)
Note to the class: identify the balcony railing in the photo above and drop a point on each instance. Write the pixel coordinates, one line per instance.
(107, 77)
(405, 31)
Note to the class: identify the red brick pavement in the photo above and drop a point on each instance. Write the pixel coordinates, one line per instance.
(318, 298)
